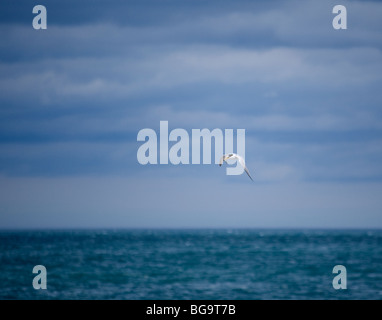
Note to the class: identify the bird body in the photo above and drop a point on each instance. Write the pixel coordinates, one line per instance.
(238, 158)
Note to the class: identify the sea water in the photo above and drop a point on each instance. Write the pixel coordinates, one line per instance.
(191, 264)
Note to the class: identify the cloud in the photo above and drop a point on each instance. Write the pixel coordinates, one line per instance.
(243, 23)
(74, 97)
(62, 82)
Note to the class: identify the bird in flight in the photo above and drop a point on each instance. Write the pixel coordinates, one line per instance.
(238, 158)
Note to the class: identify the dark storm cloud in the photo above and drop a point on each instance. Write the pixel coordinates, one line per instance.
(74, 96)
(89, 29)
(123, 12)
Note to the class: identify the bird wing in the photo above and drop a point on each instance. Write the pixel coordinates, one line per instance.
(242, 162)
(221, 160)
(246, 170)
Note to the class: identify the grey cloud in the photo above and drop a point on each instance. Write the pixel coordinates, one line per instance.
(124, 77)
(74, 97)
(285, 23)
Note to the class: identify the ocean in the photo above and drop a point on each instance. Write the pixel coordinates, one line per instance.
(203, 264)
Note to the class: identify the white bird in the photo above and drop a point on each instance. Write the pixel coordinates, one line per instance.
(238, 158)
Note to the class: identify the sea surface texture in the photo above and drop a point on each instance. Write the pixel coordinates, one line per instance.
(191, 264)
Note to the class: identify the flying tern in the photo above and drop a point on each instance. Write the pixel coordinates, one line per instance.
(238, 158)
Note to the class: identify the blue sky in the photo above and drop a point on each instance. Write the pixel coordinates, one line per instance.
(73, 98)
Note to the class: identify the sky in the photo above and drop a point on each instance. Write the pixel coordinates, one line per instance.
(73, 98)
